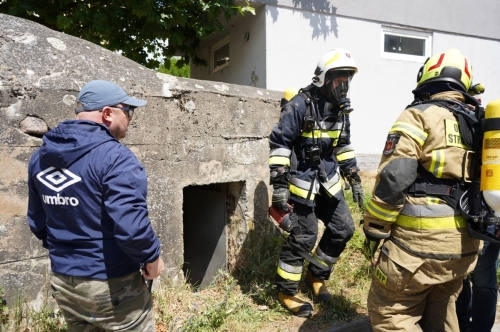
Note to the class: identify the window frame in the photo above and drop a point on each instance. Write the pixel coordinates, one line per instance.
(215, 48)
(422, 35)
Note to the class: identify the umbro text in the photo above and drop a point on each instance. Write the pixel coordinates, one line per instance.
(60, 200)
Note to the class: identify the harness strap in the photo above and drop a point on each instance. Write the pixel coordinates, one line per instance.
(420, 188)
(428, 184)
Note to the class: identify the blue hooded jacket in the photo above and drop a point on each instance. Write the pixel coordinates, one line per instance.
(87, 203)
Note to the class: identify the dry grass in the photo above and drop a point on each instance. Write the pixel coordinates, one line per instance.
(243, 299)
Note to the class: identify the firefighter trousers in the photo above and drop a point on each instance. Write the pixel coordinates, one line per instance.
(339, 229)
(411, 293)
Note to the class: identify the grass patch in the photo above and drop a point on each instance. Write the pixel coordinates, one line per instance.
(22, 317)
(244, 298)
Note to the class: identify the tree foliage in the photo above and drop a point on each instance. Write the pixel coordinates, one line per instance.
(174, 67)
(137, 28)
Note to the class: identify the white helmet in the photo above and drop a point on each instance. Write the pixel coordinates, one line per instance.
(336, 59)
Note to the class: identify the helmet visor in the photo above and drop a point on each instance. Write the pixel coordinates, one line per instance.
(339, 87)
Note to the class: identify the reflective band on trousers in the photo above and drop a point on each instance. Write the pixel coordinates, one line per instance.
(433, 211)
(431, 223)
(377, 211)
(289, 272)
(324, 259)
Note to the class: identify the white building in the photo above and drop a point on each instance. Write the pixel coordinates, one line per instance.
(390, 39)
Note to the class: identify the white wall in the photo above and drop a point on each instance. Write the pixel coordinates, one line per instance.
(286, 43)
(382, 88)
(246, 56)
(471, 18)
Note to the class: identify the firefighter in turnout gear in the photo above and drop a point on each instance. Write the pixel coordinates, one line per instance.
(309, 150)
(426, 250)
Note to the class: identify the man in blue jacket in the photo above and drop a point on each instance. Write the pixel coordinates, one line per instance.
(87, 203)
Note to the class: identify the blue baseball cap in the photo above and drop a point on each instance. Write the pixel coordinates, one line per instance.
(98, 94)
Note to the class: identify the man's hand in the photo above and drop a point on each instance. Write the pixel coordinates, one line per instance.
(154, 269)
(369, 249)
(280, 199)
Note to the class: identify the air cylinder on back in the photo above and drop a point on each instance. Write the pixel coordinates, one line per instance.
(490, 169)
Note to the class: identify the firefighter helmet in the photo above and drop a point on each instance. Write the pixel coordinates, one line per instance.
(336, 59)
(450, 66)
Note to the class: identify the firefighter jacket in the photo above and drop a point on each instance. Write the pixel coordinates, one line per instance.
(315, 154)
(424, 225)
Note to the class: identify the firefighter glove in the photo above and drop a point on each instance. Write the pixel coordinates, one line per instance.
(279, 177)
(352, 176)
(369, 248)
(358, 193)
(280, 199)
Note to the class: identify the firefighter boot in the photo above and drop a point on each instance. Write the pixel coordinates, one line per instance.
(295, 305)
(318, 287)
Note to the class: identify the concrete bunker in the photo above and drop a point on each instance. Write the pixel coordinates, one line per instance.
(191, 133)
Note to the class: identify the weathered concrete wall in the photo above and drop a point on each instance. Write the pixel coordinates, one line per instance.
(190, 133)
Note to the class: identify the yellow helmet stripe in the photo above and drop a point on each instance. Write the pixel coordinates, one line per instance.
(335, 58)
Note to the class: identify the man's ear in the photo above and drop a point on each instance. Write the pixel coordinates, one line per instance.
(107, 114)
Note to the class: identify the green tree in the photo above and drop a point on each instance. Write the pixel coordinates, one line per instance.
(170, 66)
(138, 28)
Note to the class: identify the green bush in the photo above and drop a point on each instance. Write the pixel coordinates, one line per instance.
(175, 67)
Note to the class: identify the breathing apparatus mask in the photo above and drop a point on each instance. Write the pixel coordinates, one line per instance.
(336, 89)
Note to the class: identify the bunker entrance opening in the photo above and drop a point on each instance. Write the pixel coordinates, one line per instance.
(205, 232)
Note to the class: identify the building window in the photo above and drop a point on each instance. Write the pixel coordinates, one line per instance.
(220, 55)
(399, 44)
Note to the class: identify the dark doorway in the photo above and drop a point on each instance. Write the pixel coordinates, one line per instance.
(205, 233)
